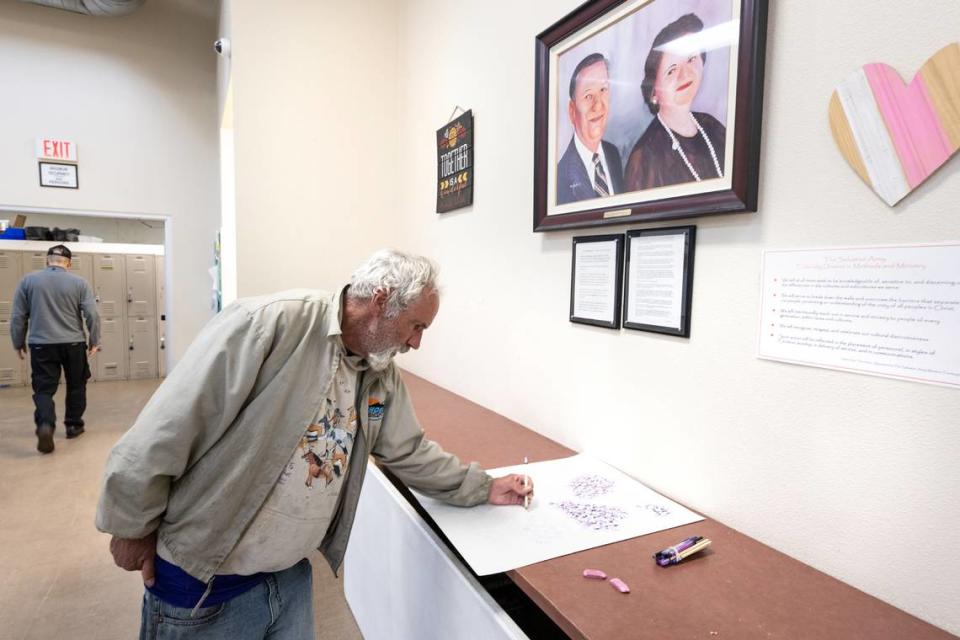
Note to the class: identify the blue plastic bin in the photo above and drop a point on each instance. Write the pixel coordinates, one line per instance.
(13, 234)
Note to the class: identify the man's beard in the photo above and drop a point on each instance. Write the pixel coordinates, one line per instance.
(381, 359)
(382, 349)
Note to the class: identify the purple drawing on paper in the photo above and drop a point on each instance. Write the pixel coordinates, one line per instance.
(590, 486)
(594, 516)
(657, 510)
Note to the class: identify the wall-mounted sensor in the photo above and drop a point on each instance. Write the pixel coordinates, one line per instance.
(222, 46)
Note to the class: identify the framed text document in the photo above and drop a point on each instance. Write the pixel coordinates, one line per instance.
(659, 282)
(596, 279)
(891, 311)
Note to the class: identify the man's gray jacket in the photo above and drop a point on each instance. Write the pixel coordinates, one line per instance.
(208, 447)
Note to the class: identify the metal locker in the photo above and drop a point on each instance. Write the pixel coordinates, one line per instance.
(12, 370)
(161, 317)
(34, 261)
(108, 285)
(110, 363)
(11, 366)
(82, 265)
(141, 286)
(30, 261)
(143, 347)
(10, 274)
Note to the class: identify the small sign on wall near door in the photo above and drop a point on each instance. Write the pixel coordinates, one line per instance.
(57, 174)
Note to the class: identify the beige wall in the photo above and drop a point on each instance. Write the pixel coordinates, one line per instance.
(315, 133)
(138, 96)
(806, 460)
(336, 108)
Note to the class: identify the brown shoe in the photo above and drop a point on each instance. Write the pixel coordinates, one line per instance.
(45, 438)
(73, 432)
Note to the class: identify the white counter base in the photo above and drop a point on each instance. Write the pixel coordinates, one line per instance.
(401, 581)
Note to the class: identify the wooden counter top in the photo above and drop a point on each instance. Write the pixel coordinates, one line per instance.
(738, 589)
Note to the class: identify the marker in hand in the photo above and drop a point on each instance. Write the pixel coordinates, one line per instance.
(526, 481)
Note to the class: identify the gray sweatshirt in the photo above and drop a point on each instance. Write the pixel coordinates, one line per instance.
(52, 301)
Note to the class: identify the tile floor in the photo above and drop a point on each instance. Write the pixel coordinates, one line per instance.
(57, 578)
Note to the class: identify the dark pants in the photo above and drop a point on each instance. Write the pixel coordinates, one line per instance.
(46, 361)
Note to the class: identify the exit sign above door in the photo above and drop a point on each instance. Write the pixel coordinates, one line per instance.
(51, 149)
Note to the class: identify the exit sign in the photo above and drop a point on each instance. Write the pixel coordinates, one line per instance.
(51, 149)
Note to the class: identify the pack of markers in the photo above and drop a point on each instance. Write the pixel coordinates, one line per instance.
(681, 550)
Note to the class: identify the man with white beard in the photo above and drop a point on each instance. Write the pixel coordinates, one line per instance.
(252, 452)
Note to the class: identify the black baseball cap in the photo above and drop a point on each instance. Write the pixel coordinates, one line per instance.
(60, 250)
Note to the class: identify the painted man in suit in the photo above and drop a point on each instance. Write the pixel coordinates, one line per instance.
(590, 167)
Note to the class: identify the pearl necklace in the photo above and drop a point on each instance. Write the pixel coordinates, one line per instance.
(676, 147)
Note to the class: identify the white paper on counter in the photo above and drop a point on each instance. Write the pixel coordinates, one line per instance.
(580, 503)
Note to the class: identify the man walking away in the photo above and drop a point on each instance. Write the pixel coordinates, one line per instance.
(55, 303)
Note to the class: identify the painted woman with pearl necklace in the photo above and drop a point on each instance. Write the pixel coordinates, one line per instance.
(679, 145)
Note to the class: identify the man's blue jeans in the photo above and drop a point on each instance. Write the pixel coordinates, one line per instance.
(280, 608)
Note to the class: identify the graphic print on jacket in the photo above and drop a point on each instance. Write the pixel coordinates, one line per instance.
(327, 445)
(294, 518)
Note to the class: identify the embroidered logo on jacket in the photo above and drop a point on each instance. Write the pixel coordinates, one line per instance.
(375, 409)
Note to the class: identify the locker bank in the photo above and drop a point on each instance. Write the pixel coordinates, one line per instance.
(128, 283)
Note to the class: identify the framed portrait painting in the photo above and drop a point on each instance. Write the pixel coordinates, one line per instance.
(648, 110)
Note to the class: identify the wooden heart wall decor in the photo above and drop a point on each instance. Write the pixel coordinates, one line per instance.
(896, 135)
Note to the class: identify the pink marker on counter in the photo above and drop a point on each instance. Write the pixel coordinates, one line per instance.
(596, 574)
(619, 585)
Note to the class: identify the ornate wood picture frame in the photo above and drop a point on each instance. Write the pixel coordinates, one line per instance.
(648, 110)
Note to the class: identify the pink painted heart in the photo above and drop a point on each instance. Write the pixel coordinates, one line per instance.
(896, 135)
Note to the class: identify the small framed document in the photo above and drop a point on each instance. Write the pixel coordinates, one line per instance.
(659, 277)
(58, 174)
(596, 280)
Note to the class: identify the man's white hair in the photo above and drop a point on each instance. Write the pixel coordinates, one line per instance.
(404, 277)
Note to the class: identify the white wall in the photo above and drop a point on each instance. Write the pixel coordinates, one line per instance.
(138, 96)
(335, 112)
(228, 165)
(806, 460)
(224, 32)
(315, 138)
